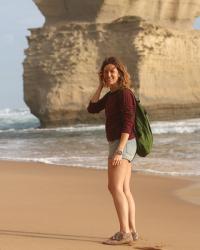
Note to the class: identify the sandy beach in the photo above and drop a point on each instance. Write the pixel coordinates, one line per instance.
(51, 207)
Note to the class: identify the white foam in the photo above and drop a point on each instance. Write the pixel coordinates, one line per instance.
(182, 126)
(22, 120)
(15, 119)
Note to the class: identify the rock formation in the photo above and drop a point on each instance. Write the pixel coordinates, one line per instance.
(151, 37)
(165, 12)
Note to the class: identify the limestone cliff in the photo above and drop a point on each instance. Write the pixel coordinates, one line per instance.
(180, 13)
(64, 56)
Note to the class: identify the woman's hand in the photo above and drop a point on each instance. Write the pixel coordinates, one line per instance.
(101, 80)
(116, 160)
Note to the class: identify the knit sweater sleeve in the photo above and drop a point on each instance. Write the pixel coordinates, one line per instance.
(128, 109)
(96, 107)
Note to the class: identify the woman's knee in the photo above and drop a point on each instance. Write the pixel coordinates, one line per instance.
(127, 192)
(115, 189)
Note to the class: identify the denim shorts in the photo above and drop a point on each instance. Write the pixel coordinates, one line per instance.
(128, 152)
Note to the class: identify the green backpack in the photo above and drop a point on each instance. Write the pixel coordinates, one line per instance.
(144, 136)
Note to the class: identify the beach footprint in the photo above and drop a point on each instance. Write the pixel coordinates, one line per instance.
(143, 244)
(149, 248)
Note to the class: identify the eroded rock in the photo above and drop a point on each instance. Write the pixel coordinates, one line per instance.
(64, 56)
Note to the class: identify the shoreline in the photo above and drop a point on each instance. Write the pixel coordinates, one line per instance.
(58, 207)
(142, 172)
(186, 193)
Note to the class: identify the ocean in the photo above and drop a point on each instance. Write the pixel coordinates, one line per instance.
(176, 148)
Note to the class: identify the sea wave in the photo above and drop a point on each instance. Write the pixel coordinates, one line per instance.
(17, 119)
(21, 120)
(180, 127)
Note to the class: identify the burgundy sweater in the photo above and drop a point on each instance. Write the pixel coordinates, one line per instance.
(120, 110)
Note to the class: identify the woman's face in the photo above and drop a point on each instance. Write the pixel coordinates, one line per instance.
(110, 75)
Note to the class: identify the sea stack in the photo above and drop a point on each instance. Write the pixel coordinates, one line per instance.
(153, 38)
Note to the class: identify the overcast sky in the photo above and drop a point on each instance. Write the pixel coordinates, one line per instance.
(15, 18)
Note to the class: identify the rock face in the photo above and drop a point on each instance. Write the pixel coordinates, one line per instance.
(64, 56)
(166, 12)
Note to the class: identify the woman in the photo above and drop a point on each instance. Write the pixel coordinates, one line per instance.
(119, 105)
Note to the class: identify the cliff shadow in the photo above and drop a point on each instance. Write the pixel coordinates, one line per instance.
(77, 11)
(69, 10)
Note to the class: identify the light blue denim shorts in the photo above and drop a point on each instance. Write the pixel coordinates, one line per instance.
(128, 152)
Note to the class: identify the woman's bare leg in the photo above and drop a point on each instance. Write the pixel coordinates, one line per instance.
(116, 178)
(131, 202)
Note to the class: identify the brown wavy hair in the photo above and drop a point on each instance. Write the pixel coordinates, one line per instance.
(124, 78)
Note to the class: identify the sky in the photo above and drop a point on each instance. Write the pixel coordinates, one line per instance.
(15, 18)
